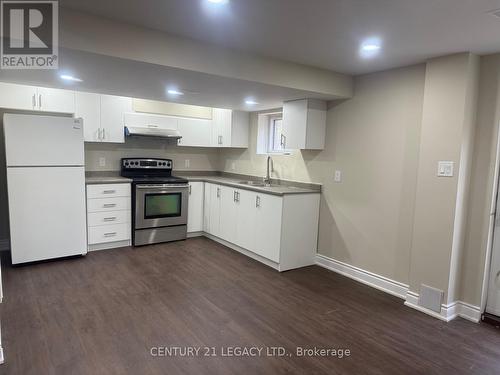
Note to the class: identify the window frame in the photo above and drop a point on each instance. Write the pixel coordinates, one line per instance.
(271, 134)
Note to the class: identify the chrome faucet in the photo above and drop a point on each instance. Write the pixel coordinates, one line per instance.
(267, 179)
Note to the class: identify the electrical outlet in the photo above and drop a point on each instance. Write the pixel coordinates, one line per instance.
(338, 176)
(102, 162)
(186, 163)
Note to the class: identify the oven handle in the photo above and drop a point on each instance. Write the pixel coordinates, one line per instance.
(167, 187)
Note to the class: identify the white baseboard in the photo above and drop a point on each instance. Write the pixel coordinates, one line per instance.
(109, 245)
(243, 251)
(195, 234)
(448, 311)
(4, 244)
(369, 278)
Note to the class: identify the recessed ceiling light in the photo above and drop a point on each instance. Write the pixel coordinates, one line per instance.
(175, 92)
(67, 77)
(250, 102)
(370, 47)
(218, 1)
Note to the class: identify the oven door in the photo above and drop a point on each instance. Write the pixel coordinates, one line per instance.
(160, 205)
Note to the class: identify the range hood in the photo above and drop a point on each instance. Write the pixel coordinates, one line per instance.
(150, 125)
(152, 131)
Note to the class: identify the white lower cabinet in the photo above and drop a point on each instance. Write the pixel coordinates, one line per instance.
(268, 224)
(195, 207)
(108, 216)
(213, 209)
(228, 213)
(246, 222)
(281, 231)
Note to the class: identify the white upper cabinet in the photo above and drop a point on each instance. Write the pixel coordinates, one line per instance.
(18, 96)
(113, 108)
(103, 116)
(304, 125)
(88, 107)
(55, 100)
(194, 132)
(33, 98)
(229, 128)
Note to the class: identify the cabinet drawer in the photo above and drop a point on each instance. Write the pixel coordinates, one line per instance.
(108, 190)
(107, 218)
(108, 204)
(109, 233)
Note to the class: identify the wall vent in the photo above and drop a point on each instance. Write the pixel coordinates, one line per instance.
(430, 298)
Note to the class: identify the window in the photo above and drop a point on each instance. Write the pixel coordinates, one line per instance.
(269, 134)
(275, 143)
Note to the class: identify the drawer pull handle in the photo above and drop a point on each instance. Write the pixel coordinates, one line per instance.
(110, 234)
(109, 191)
(109, 205)
(110, 218)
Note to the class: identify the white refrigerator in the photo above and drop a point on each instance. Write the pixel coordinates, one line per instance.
(46, 186)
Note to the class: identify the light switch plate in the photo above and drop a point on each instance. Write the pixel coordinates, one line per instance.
(102, 162)
(186, 163)
(445, 169)
(338, 176)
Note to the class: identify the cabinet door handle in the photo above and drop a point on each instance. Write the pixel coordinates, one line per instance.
(282, 141)
(108, 205)
(109, 191)
(40, 101)
(257, 201)
(34, 101)
(110, 218)
(189, 189)
(110, 234)
(218, 192)
(103, 133)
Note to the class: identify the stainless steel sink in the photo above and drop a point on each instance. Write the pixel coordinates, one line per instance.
(253, 183)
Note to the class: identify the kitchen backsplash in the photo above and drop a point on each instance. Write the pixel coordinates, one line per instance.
(106, 156)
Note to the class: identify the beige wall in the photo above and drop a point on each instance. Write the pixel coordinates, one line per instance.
(4, 212)
(483, 163)
(446, 135)
(373, 139)
(200, 159)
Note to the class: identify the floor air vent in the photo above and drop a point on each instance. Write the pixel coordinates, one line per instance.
(430, 298)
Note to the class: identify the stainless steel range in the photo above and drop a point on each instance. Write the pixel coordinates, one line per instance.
(159, 201)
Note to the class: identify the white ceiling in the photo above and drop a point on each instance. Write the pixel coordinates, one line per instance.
(111, 75)
(323, 33)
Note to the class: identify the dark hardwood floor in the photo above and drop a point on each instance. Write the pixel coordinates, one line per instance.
(102, 314)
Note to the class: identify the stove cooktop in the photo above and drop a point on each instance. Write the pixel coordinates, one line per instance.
(150, 171)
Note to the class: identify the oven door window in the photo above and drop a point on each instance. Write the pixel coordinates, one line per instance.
(162, 205)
